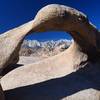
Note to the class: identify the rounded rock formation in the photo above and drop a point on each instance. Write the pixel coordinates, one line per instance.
(70, 75)
(62, 18)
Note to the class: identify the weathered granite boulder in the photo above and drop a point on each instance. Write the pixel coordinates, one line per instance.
(52, 82)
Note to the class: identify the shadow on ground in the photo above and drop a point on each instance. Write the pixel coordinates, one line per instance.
(56, 89)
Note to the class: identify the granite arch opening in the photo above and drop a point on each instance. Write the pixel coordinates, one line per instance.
(57, 40)
(54, 17)
(86, 45)
(62, 18)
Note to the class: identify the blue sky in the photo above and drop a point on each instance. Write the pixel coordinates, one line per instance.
(16, 12)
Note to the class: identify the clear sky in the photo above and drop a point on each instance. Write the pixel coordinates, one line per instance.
(16, 12)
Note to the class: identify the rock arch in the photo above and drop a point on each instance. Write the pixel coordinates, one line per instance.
(84, 49)
(59, 17)
(53, 17)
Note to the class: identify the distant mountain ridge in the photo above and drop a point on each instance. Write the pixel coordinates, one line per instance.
(46, 48)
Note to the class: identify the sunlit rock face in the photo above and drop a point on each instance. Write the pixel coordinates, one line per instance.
(70, 75)
(10, 43)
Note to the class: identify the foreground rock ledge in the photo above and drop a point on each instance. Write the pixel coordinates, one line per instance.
(82, 57)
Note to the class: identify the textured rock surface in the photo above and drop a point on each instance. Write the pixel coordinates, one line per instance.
(54, 78)
(52, 82)
(10, 43)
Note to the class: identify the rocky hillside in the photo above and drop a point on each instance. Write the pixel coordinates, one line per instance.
(44, 49)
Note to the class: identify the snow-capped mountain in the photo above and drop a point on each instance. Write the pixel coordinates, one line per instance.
(46, 48)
